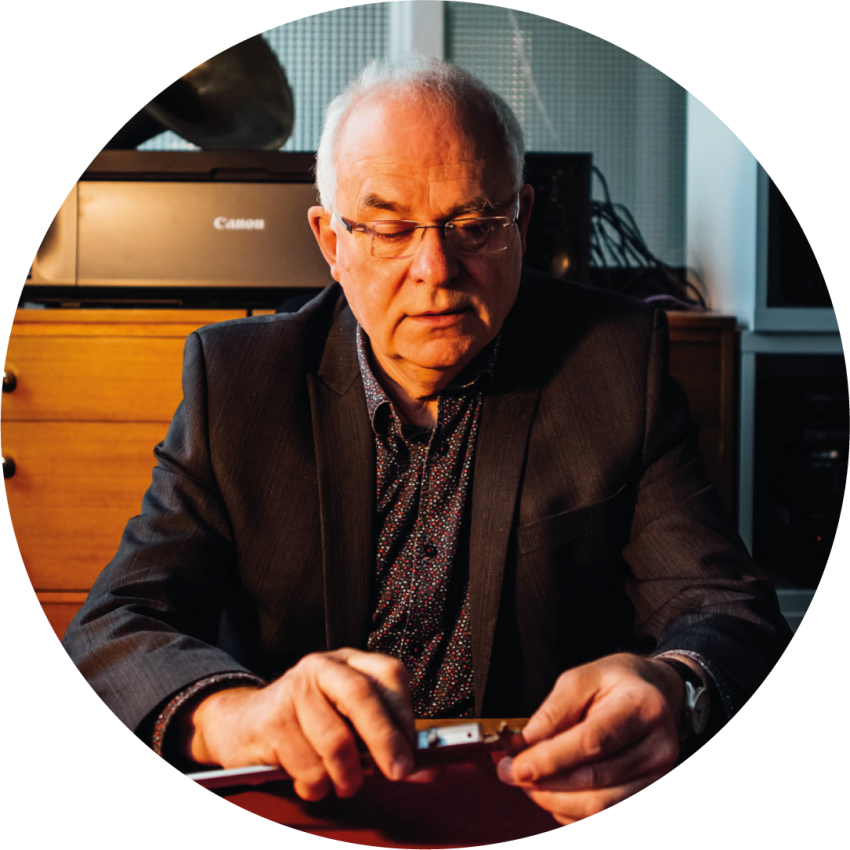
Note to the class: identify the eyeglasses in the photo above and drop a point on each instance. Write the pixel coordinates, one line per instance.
(395, 240)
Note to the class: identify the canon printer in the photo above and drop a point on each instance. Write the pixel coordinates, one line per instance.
(189, 227)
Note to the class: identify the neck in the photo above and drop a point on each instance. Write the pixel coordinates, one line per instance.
(414, 392)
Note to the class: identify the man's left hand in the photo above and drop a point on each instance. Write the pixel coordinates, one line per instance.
(608, 729)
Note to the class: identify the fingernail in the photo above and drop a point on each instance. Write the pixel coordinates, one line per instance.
(504, 770)
(401, 766)
(512, 775)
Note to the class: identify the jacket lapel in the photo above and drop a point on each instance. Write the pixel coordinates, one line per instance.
(345, 457)
(345, 460)
(506, 417)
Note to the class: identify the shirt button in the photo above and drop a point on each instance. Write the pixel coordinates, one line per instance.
(429, 550)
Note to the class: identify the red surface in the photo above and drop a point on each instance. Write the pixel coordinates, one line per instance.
(467, 806)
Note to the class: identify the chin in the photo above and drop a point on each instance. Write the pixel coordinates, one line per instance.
(445, 355)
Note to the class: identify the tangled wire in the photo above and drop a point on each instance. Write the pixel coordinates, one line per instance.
(621, 260)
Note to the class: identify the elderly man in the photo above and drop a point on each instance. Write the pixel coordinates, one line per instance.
(442, 488)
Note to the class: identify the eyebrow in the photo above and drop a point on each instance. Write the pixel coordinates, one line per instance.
(479, 204)
(371, 201)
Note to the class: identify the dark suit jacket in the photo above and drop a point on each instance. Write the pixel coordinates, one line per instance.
(592, 527)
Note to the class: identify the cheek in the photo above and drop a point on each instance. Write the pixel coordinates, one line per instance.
(371, 300)
(354, 284)
(497, 287)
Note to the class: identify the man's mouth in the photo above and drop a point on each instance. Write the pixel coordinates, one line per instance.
(440, 318)
(449, 311)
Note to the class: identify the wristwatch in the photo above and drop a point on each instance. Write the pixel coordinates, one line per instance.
(696, 704)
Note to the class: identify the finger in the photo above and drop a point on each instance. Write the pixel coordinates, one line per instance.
(613, 725)
(578, 691)
(564, 707)
(425, 775)
(657, 753)
(356, 696)
(301, 761)
(391, 680)
(320, 748)
(266, 731)
(576, 805)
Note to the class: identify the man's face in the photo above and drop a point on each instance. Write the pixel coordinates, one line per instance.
(436, 309)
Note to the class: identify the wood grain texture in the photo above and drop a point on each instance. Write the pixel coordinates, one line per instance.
(154, 317)
(75, 487)
(489, 725)
(84, 379)
(95, 392)
(704, 360)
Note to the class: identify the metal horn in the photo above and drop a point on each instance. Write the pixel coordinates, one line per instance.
(238, 100)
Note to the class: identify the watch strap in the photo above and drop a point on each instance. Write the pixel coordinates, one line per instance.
(694, 703)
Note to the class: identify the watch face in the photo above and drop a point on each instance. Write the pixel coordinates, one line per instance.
(696, 707)
(699, 711)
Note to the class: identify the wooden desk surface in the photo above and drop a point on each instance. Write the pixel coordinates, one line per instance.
(467, 806)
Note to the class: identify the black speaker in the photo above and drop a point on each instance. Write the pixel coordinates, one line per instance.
(801, 434)
(559, 231)
(794, 278)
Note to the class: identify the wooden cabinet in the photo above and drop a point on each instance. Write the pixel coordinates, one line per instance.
(94, 391)
(704, 360)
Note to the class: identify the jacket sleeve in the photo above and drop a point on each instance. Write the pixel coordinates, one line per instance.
(692, 582)
(149, 627)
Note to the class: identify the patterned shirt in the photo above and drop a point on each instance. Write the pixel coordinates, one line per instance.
(421, 614)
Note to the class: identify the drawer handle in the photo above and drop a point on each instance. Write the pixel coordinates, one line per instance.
(9, 381)
(8, 467)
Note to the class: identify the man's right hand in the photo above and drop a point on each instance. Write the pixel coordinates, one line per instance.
(305, 722)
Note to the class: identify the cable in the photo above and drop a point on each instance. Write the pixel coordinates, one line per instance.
(622, 261)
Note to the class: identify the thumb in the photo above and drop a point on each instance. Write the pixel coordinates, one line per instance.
(565, 706)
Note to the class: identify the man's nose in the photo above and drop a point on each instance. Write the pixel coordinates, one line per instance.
(434, 262)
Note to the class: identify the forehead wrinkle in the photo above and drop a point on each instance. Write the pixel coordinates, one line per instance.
(479, 204)
(414, 170)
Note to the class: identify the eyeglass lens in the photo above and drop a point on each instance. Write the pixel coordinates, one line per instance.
(398, 239)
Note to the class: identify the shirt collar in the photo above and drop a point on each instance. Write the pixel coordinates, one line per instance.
(484, 368)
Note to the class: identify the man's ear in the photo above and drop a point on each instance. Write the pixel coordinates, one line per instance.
(320, 224)
(526, 202)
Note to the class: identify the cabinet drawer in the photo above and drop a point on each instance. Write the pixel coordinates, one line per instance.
(98, 379)
(74, 488)
(697, 366)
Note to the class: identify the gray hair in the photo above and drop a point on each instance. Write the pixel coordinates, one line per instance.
(416, 75)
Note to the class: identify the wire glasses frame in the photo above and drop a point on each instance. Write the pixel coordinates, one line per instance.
(394, 239)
